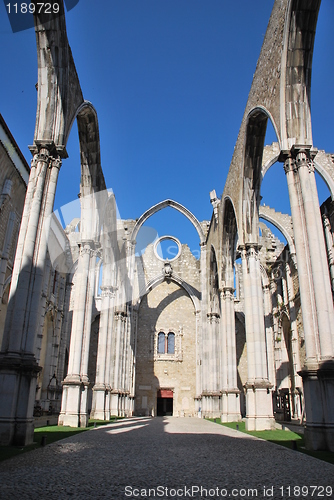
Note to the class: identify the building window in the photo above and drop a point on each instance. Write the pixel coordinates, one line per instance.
(171, 343)
(167, 344)
(161, 343)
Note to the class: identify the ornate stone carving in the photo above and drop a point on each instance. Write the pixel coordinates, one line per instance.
(56, 162)
(167, 270)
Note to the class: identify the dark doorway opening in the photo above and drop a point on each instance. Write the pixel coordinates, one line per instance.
(165, 403)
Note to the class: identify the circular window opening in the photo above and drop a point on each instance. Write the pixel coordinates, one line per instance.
(167, 248)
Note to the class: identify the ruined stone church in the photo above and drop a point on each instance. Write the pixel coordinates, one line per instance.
(92, 328)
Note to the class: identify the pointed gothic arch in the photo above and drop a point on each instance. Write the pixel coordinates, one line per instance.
(160, 278)
(160, 206)
(229, 242)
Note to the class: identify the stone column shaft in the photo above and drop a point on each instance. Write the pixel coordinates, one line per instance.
(255, 300)
(102, 342)
(79, 311)
(294, 330)
(118, 325)
(318, 257)
(65, 332)
(14, 326)
(101, 390)
(316, 299)
(75, 386)
(223, 342)
(204, 325)
(34, 306)
(230, 404)
(303, 261)
(88, 318)
(24, 308)
(269, 335)
(258, 396)
(230, 339)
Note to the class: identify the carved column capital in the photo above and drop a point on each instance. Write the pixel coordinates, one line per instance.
(41, 156)
(87, 247)
(108, 291)
(249, 250)
(213, 317)
(120, 315)
(55, 162)
(252, 250)
(299, 156)
(289, 165)
(227, 292)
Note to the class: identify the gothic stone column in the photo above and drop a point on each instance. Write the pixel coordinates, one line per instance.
(269, 334)
(259, 410)
(101, 383)
(297, 381)
(76, 381)
(18, 365)
(116, 363)
(211, 393)
(230, 391)
(316, 298)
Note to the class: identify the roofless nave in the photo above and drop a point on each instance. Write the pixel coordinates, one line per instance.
(245, 331)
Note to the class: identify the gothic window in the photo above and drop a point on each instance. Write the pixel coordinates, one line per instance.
(171, 343)
(161, 343)
(167, 345)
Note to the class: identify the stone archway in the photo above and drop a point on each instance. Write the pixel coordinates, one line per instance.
(160, 206)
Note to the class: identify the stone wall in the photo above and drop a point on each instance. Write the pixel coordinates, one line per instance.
(167, 308)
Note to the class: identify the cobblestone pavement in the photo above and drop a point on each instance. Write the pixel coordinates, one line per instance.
(173, 457)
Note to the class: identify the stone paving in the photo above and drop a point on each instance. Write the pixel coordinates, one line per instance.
(164, 458)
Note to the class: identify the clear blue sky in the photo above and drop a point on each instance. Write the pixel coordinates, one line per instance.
(169, 80)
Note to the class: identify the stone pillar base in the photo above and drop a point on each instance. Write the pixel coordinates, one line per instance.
(319, 406)
(131, 406)
(99, 402)
(16, 432)
(114, 405)
(121, 401)
(128, 406)
(74, 403)
(230, 406)
(18, 376)
(259, 406)
(107, 404)
(211, 405)
(319, 437)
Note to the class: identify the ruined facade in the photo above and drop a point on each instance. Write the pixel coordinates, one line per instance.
(94, 328)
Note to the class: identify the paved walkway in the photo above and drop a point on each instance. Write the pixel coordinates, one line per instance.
(126, 459)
